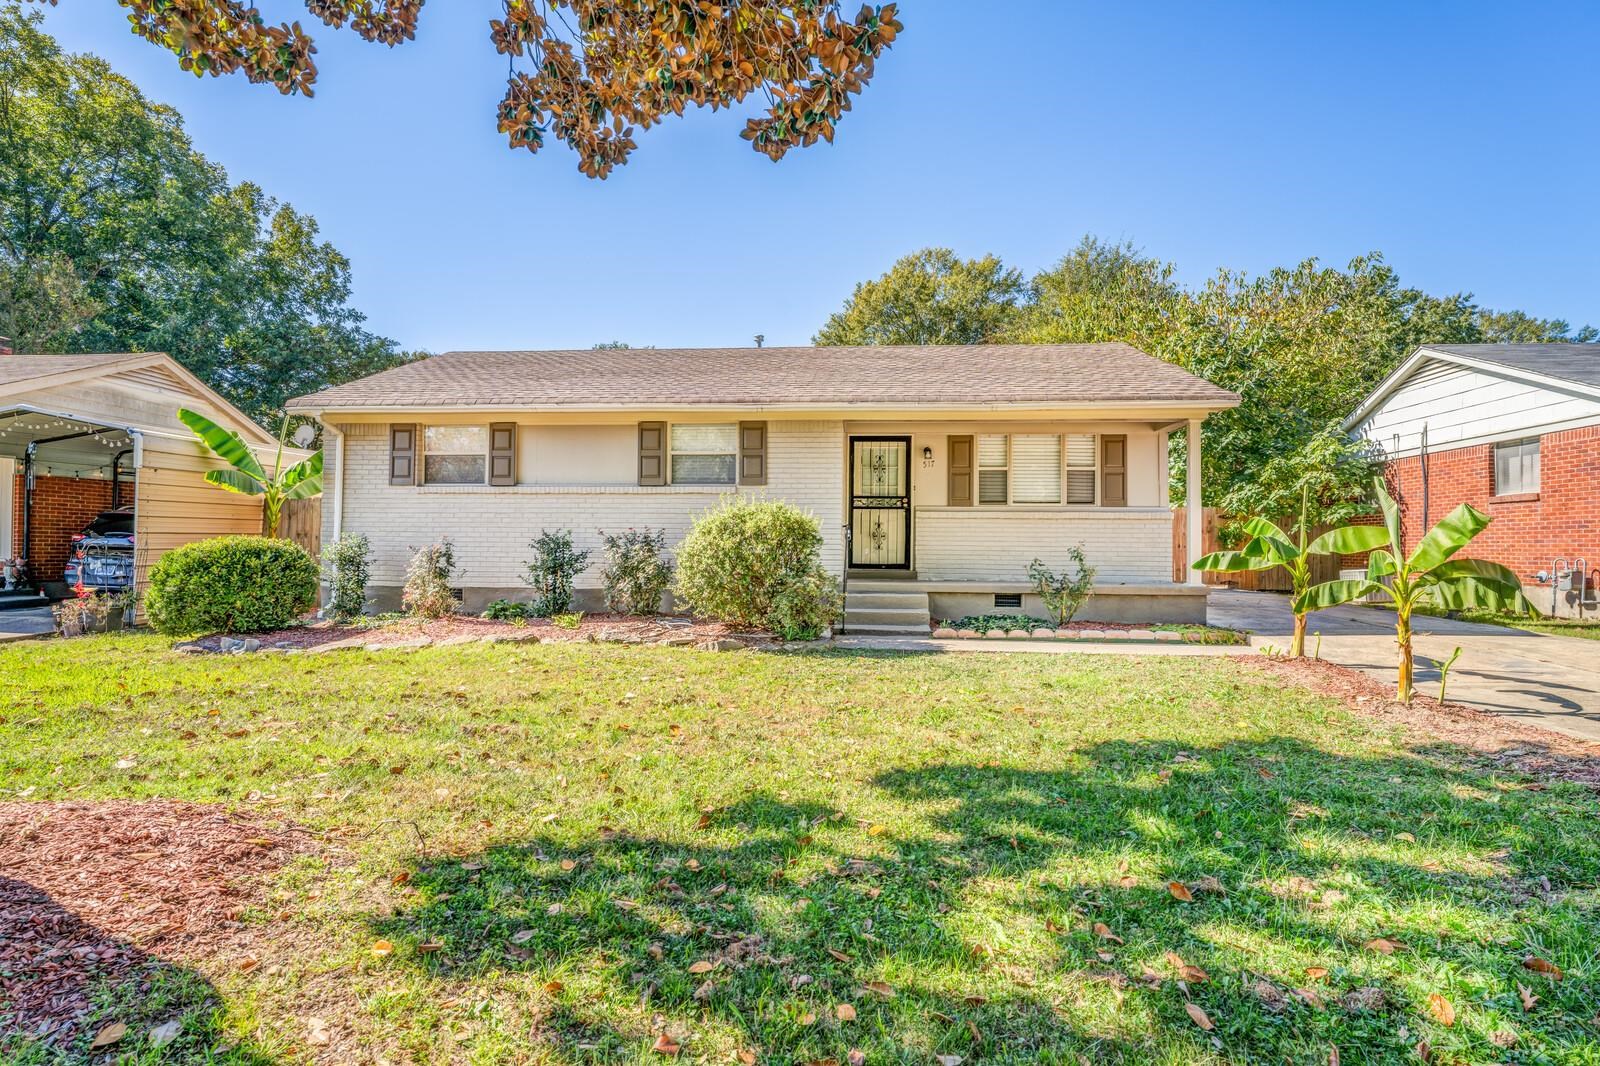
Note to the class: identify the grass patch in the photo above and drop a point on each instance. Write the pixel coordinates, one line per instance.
(572, 848)
(1585, 628)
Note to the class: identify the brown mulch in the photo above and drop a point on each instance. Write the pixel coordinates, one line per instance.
(100, 892)
(632, 628)
(1503, 742)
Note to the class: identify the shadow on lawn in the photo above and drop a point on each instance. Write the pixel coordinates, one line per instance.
(63, 981)
(979, 913)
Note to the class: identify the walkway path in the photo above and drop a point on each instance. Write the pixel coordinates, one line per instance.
(1548, 681)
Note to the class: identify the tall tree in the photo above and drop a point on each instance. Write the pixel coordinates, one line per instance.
(595, 68)
(929, 297)
(115, 234)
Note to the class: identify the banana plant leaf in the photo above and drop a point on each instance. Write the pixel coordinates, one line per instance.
(1470, 594)
(304, 479)
(1453, 533)
(1380, 564)
(1333, 593)
(235, 481)
(1230, 562)
(225, 443)
(1349, 540)
(1267, 537)
(1391, 513)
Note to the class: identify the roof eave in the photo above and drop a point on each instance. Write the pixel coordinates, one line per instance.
(310, 405)
(1397, 376)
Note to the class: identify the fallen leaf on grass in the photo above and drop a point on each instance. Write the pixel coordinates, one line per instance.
(705, 991)
(1308, 997)
(248, 963)
(1199, 1017)
(877, 831)
(837, 954)
(845, 1012)
(554, 987)
(1544, 966)
(1441, 1009)
(809, 1018)
(1103, 931)
(665, 1045)
(567, 865)
(1187, 972)
(1180, 891)
(109, 1035)
(164, 1034)
(1316, 973)
(880, 988)
(428, 947)
(948, 1060)
(1333, 1056)
(702, 966)
(317, 1031)
(382, 947)
(747, 1058)
(1382, 945)
(400, 878)
(974, 1001)
(522, 936)
(1526, 995)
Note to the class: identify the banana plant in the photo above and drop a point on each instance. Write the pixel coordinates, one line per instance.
(1270, 546)
(1427, 576)
(301, 481)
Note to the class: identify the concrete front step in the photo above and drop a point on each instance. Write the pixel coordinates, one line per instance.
(884, 630)
(888, 599)
(878, 584)
(893, 616)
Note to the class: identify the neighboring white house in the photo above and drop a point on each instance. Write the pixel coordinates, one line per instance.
(946, 469)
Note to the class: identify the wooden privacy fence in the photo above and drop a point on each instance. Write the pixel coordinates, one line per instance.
(1323, 567)
(301, 522)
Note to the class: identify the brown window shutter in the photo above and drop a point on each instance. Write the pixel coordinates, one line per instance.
(652, 453)
(752, 453)
(1113, 470)
(502, 453)
(402, 454)
(959, 456)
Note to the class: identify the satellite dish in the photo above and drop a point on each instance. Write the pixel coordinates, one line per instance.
(304, 435)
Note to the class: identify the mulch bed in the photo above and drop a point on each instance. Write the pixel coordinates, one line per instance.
(1503, 742)
(632, 628)
(92, 893)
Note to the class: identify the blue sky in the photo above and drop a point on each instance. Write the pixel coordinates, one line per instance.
(1457, 139)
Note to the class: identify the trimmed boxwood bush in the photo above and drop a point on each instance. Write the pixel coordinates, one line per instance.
(758, 564)
(231, 585)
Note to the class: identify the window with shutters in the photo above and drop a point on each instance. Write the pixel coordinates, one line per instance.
(994, 473)
(1516, 467)
(1035, 468)
(455, 455)
(703, 454)
(1081, 477)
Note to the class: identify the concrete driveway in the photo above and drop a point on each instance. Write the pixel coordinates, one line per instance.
(1548, 681)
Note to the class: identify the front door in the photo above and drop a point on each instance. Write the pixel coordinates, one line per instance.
(880, 503)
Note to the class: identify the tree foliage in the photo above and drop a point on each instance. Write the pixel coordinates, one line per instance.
(1301, 345)
(930, 297)
(595, 68)
(116, 235)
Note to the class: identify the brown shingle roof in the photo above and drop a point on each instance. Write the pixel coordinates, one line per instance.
(909, 376)
(15, 368)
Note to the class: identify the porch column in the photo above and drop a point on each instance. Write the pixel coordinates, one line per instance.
(1192, 503)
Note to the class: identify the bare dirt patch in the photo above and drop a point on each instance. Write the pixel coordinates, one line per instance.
(627, 628)
(100, 892)
(1510, 744)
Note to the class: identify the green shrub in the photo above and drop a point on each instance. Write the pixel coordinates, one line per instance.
(427, 591)
(1063, 595)
(742, 558)
(636, 573)
(231, 585)
(556, 564)
(508, 611)
(348, 566)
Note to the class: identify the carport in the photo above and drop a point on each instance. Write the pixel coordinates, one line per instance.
(83, 434)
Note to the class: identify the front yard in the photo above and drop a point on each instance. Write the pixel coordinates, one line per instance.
(594, 853)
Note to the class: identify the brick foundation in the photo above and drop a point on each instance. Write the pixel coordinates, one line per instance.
(1529, 532)
(61, 507)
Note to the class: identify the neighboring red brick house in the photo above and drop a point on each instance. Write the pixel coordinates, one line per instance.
(1514, 430)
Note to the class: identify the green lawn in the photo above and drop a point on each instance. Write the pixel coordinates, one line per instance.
(559, 839)
(1586, 628)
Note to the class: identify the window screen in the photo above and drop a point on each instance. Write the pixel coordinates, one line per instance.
(455, 455)
(1080, 467)
(1516, 467)
(1036, 468)
(704, 454)
(993, 456)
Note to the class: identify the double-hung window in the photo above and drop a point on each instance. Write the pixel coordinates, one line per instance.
(1034, 468)
(455, 455)
(1516, 467)
(704, 454)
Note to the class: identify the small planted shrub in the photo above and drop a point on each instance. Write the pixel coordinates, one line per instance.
(567, 619)
(347, 566)
(1005, 623)
(427, 591)
(555, 565)
(741, 559)
(231, 585)
(508, 611)
(636, 573)
(1065, 594)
